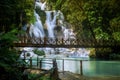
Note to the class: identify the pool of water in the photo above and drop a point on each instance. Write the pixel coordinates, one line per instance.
(90, 67)
(101, 68)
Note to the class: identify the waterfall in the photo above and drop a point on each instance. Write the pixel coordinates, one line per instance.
(54, 20)
(36, 29)
(41, 5)
(51, 23)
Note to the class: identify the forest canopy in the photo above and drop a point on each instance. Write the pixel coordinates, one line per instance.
(97, 18)
(15, 13)
(90, 19)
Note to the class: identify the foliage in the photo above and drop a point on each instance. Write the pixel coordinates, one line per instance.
(8, 57)
(98, 18)
(15, 12)
(114, 56)
(41, 14)
(103, 53)
(39, 52)
(31, 76)
(9, 36)
(45, 78)
(94, 19)
(92, 53)
(115, 28)
(116, 36)
(100, 34)
(56, 4)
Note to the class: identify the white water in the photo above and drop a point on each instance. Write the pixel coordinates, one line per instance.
(91, 68)
(50, 23)
(41, 5)
(37, 31)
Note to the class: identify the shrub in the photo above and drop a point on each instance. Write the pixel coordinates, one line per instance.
(114, 56)
(39, 52)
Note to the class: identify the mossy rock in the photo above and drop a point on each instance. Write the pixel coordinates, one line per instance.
(42, 14)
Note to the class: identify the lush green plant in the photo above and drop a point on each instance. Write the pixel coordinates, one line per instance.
(31, 76)
(103, 53)
(41, 14)
(92, 53)
(15, 12)
(13, 15)
(39, 52)
(45, 78)
(94, 18)
(114, 56)
(8, 57)
(55, 4)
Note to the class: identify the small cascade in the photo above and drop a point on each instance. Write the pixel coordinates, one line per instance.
(41, 5)
(50, 23)
(36, 29)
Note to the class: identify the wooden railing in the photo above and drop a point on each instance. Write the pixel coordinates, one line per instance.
(51, 61)
(60, 42)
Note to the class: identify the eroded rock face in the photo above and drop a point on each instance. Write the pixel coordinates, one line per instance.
(58, 32)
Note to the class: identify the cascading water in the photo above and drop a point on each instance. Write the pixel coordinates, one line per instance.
(41, 5)
(53, 20)
(36, 29)
(50, 23)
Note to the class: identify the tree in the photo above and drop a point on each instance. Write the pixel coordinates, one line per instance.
(8, 57)
(93, 15)
(96, 19)
(55, 4)
(15, 13)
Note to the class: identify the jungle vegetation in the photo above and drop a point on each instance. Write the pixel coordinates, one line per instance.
(94, 19)
(90, 19)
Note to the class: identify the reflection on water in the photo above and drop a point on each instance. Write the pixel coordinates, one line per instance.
(90, 68)
(101, 68)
